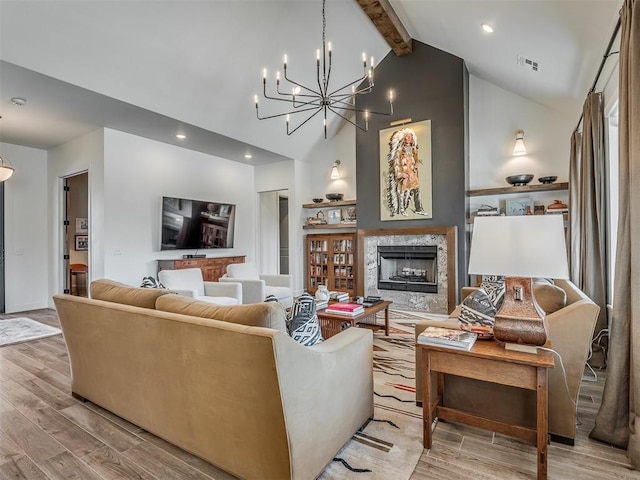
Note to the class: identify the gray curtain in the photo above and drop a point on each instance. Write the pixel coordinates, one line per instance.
(575, 203)
(618, 420)
(587, 189)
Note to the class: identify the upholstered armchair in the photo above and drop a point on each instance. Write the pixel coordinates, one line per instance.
(256, 287)
(189, 282)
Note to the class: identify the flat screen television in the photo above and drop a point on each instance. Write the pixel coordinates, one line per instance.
(195, 224)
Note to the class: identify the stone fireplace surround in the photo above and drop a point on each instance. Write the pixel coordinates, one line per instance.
(444, 238)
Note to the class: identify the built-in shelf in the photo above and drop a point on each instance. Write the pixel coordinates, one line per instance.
(524, 189)
(340, 203)
(329, 225)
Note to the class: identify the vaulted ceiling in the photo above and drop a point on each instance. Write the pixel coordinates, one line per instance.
(156, 67)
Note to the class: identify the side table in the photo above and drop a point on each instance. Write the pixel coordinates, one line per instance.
(490, 362)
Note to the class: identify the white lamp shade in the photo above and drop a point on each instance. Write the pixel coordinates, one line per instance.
(519, 148)
(519, 246)
(335, 173)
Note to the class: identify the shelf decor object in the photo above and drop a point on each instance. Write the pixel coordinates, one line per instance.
(321, 98)
(519, 247)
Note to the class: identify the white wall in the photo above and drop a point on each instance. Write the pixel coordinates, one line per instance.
(25, 221)
(85, 153)
(494, 116)
(138, 172)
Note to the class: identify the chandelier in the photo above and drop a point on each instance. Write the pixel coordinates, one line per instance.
(312, 101)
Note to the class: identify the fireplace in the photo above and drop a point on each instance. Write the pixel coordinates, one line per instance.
(408, 268)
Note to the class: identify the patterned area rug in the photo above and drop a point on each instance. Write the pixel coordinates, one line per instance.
(390, 446)
(23, 329)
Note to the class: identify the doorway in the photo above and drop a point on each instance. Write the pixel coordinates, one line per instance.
(76, 234)
(273, 232)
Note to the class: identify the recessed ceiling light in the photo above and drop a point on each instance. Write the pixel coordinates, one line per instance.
(248, 155)
(19, 101)
(181, 136)
(487, 28)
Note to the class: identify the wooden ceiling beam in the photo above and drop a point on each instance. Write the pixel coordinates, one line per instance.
(388, 24)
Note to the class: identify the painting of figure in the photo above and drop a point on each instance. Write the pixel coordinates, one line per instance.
(405, 167)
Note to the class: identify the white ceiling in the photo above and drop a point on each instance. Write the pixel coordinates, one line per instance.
(195, 65)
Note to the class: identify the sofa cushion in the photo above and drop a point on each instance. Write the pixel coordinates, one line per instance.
(243, 270)
(477, 314)
(116, 292)
(303, 324)
(550, 298)
(269, 315)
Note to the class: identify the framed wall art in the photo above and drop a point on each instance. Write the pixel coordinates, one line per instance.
(405, 172)
(82, 225)
(82, 242)
(334, 216)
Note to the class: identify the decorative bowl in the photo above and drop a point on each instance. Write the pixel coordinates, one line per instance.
(334, 197)
(548, 180)
(519, 180)
(317, 200)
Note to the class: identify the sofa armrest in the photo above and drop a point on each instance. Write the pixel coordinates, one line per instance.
(186, 292)
(327, 394)
(223, 289)
(278, 280)
(252, 290)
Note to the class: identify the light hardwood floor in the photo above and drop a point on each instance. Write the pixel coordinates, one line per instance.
(47, 434)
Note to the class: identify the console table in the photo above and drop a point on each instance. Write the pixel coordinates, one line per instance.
(490, 362)
(212, 267)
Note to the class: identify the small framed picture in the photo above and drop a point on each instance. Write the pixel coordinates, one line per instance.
(334, 216)
(82, 242)
(82, 225)
(519, 206)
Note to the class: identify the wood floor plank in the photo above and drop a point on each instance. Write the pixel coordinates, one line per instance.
(51, 361)
(55, 398)
(37, 444)
(9, 450)
(59, 427)
(68, 467)
(195, 462)
(108, 432)
(21, 468)
(128, 426)
(161, 464)
(112, 465)
(36, 368)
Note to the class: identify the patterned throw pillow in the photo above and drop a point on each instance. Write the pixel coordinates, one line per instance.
(495, 290)
(477, 314)
(150, 282)
(303, 322)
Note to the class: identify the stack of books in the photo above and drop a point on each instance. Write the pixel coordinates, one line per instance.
(339, 296)
(320, 304)
(350, 309)
(447, 337)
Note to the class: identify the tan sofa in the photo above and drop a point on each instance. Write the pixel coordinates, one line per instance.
(247, 399)
(570, 330)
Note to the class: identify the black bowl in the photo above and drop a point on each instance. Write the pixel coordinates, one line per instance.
(317, 200)
(334, 197)
(519, 180)
(547, 180)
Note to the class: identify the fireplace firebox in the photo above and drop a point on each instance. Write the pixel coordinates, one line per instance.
(408, 268)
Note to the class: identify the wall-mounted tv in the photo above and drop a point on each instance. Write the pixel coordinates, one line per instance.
(195, 224)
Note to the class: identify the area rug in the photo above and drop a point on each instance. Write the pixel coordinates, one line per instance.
(23, 329)
(390, 446)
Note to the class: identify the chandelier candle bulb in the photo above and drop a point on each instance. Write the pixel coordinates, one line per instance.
(285, 60)
(329, 48)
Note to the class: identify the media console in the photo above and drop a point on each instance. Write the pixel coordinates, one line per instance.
(212, 267)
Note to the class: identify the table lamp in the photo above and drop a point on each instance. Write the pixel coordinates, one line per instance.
(519, 248)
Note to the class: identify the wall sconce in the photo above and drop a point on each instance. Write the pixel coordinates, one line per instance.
(335, 174)
(5, 170)
(519, 148)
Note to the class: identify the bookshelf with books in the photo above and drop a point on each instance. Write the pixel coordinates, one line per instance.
(331, 262)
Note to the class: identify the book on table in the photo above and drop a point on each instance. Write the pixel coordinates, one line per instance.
(447, 337)
(345, 309)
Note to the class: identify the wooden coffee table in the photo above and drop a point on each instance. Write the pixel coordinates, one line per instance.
(331, 323)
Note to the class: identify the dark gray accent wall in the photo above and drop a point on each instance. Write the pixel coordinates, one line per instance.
(428, 84)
